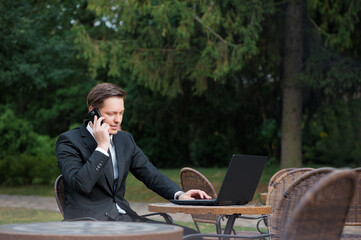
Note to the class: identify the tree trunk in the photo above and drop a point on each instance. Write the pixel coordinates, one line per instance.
(291, 145)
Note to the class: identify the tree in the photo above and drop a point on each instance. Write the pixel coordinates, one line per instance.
(40, 77)
(193, 56)
(291, 154)
(163, 44)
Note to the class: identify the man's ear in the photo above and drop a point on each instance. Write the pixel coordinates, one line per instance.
(90, 108)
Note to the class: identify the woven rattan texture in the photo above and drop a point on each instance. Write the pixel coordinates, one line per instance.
(282, 182)
(288, 201)
(277, 175)
(354, 214)
(322, 210)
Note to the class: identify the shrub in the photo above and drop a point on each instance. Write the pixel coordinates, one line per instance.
(333, 135)
(25, 156)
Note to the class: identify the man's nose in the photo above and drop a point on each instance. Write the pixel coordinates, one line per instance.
(117, 118)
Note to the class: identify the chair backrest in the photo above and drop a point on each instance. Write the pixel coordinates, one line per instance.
(282, 182)
(322, 211)
(277, 175)
(354, 213)
(290, 198)
(59, 193)
(192, 179)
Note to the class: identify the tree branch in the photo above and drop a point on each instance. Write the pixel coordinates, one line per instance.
(210, 29)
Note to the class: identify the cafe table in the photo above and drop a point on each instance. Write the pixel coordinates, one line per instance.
(90, 230)
(231, 212)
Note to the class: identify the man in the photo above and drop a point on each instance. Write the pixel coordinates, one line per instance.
(96, 157)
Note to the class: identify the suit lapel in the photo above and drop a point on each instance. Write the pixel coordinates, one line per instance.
(88, 139)
(91, 144)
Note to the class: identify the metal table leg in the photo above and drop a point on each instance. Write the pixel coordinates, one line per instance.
(230, 223)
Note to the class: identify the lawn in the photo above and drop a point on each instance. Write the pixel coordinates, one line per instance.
(136, 192)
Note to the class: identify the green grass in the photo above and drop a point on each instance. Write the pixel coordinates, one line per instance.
(136, 192)
(38, 190)
(24, 215)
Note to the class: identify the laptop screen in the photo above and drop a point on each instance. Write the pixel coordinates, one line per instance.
(241, 180)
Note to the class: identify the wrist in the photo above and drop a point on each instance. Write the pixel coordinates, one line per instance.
(105, 147)
(102, 151)
(178, 194)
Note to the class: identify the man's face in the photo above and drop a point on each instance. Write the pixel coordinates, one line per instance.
(113, 110)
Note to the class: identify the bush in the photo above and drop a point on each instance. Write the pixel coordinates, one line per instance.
(25, 156)
(25, 169)
(333, 135)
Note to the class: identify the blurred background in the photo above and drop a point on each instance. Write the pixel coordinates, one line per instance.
(205, 79)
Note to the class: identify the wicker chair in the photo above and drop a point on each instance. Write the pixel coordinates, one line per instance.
(59, 193)
(277, 175)
(320, 211)
(271, 181)
(291, 197)
(354, 214)
(192, 179)
(281, 183)
(60, 198)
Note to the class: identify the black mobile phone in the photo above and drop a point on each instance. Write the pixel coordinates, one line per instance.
(94, 112)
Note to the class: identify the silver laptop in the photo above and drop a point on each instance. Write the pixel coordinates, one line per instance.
(239, 184)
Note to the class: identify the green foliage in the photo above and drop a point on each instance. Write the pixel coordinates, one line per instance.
(271, 136)
(162, 44)
(24, 169)
(25, 156)
(16, 136)
(336, 21)
(203, 77)
(331, 74)
(333, 135)
(38, 64)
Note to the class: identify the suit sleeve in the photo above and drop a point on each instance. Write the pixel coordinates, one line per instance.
(146, 172)
(79, 170)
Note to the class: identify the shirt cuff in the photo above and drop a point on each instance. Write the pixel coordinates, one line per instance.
(102, 151)
(177, 194)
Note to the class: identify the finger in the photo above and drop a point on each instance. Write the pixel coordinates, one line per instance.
(206, 195)
(101, 119)
(95, 120)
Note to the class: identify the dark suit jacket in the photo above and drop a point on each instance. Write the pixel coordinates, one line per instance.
(88, 174)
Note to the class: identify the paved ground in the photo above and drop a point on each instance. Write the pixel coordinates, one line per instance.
(49, 203)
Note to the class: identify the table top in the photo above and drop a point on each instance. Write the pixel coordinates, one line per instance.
(218, 210)
(91, 230)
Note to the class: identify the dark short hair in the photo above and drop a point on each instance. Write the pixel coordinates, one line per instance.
(102, 91)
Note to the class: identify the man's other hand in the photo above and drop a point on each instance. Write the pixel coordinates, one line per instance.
(194, 194)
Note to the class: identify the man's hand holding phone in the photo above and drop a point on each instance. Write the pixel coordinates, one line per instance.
(101, 132)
